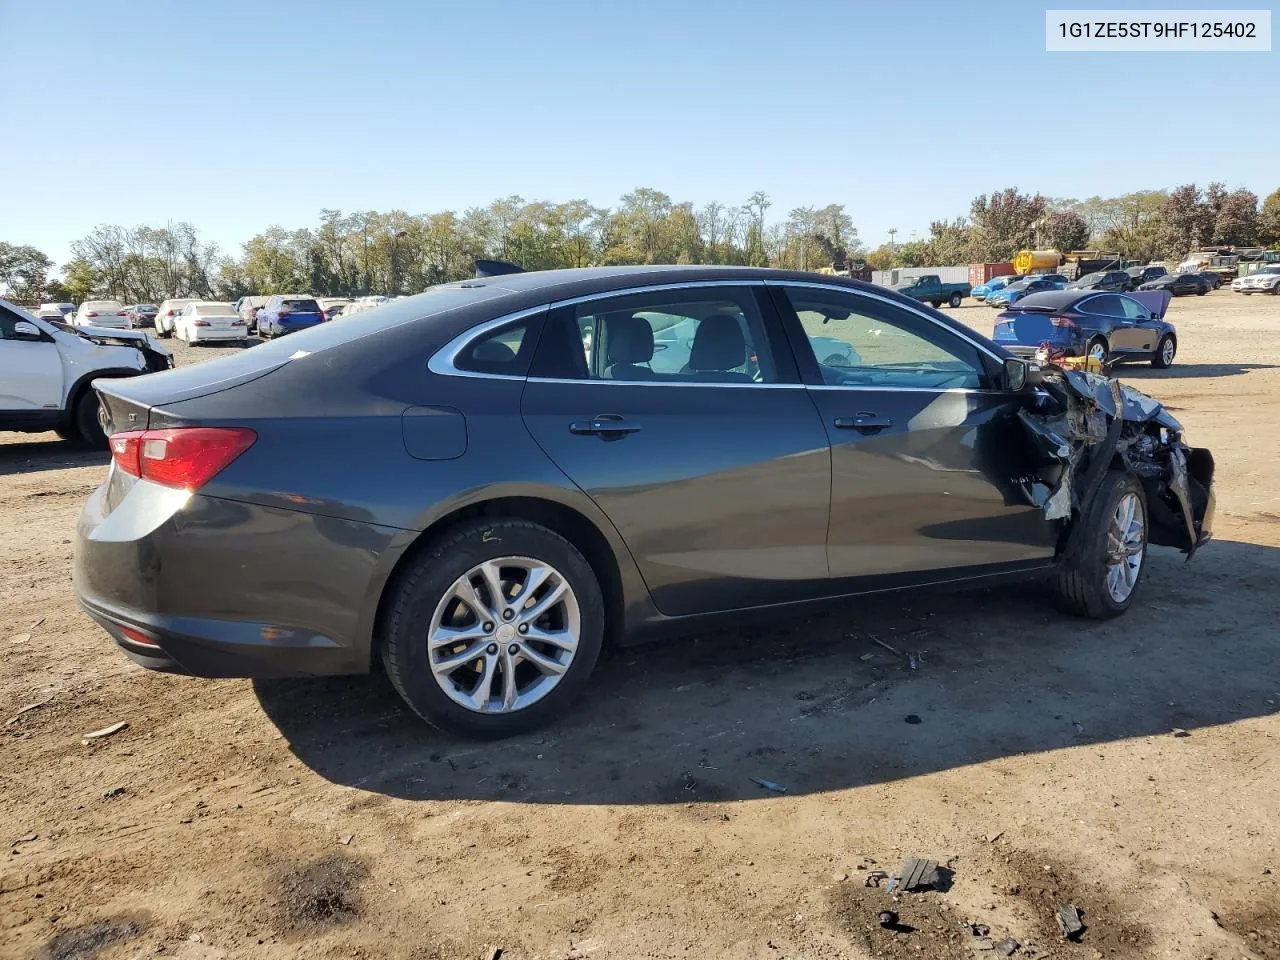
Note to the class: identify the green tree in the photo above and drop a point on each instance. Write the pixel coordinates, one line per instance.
(24, 271)
(1269, 219)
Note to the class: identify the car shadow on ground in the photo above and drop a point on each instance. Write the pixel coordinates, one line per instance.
(1187, 371)
(48, 453)
(817, 704)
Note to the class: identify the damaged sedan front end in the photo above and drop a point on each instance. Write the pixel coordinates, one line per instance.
(1084, 425)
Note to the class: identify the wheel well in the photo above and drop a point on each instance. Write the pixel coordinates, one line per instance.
(85, 383)
(558, 518)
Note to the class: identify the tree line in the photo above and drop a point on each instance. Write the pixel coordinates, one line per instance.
(1145, 225)
(351, 254)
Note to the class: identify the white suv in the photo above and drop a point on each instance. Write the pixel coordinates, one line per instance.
(46, 372)
(1262, 280)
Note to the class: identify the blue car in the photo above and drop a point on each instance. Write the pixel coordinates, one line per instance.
(285, 313)
(1108, 327)
(1023, 286)
(984, 290)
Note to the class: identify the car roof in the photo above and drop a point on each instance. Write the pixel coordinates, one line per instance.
(1055, 299)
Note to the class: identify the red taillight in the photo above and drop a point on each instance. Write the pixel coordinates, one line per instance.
(202, 323)
(185, 457)
(124, 451)
(91, 314)
(1062, 321)
(122, 313)
(237, 323)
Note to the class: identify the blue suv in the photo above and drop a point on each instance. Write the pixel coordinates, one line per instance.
(285, 313)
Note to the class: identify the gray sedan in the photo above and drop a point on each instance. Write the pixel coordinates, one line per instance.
(482, 485)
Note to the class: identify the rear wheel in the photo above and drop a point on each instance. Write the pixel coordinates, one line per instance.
(494, 629)
(1165, 351)
(1101, 579)
(955, 299)
(1099, 351)
(88, 428)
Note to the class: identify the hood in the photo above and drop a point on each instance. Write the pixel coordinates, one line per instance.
(132, 338)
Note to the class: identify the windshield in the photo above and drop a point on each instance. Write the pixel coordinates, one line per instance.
(146, 308)
(1086, 279)
(1268, 270)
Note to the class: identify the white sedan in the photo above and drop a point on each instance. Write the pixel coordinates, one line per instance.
(101, 313)
(207, 320)
(1262, 280)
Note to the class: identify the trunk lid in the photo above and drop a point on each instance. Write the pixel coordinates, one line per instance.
(1027, 328)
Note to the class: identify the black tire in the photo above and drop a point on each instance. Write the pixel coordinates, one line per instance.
(955, 299)
(1201, 292)
(1106, 349)
(1275, 291)
(166, 333)
(432, 573)
(88, 430)
(1080, 581)
(1158, 360)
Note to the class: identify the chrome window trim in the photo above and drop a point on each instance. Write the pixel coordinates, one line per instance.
(442, 362)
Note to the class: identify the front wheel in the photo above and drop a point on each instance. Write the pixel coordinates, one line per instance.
(955, 299)
(1165, 351)
(88, 426)
(1100, 577)
(494, 629)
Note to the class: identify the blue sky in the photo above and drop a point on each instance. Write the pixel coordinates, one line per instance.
(236, 115)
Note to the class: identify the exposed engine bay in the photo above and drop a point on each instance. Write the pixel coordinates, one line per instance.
(1085, 424)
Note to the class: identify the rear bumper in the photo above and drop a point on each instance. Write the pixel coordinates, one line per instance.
(236, 333)
(228, 589)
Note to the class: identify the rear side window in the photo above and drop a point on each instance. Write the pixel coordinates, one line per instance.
(1107, 305)
(505, 351)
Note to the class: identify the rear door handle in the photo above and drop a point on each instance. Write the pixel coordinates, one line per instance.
(863, 422)
(610, 426)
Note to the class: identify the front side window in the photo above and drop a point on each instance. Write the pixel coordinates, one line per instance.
(682, 336)
(858, 341)
(1133, 309)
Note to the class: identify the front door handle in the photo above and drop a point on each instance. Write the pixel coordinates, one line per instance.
(609, 426)
(863, 422)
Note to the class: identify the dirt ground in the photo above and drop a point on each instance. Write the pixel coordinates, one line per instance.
(1129, 768)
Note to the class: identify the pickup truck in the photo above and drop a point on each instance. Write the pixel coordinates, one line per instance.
(929, 289)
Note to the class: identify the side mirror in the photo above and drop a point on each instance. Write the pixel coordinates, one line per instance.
(22, 330)
(1018, 374)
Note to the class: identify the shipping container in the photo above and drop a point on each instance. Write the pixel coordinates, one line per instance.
(887, 278)
(980, 273)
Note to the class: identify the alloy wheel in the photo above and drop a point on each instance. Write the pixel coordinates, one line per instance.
(1167, 351)
(504, 635)
(1126, 544)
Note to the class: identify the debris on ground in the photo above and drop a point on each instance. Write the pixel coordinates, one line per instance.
(874, 877)
(27, 709)
(20, 638)
(980, 937)
(346, 839)
(887, 918)
(920, 874)
(1007, 947)
(27, 838)
(894, 650)
(114, 792)
(1179, 732)
(993, 837)
(1069, 921)
(913, 718)
(769, 785)
(105, 731)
